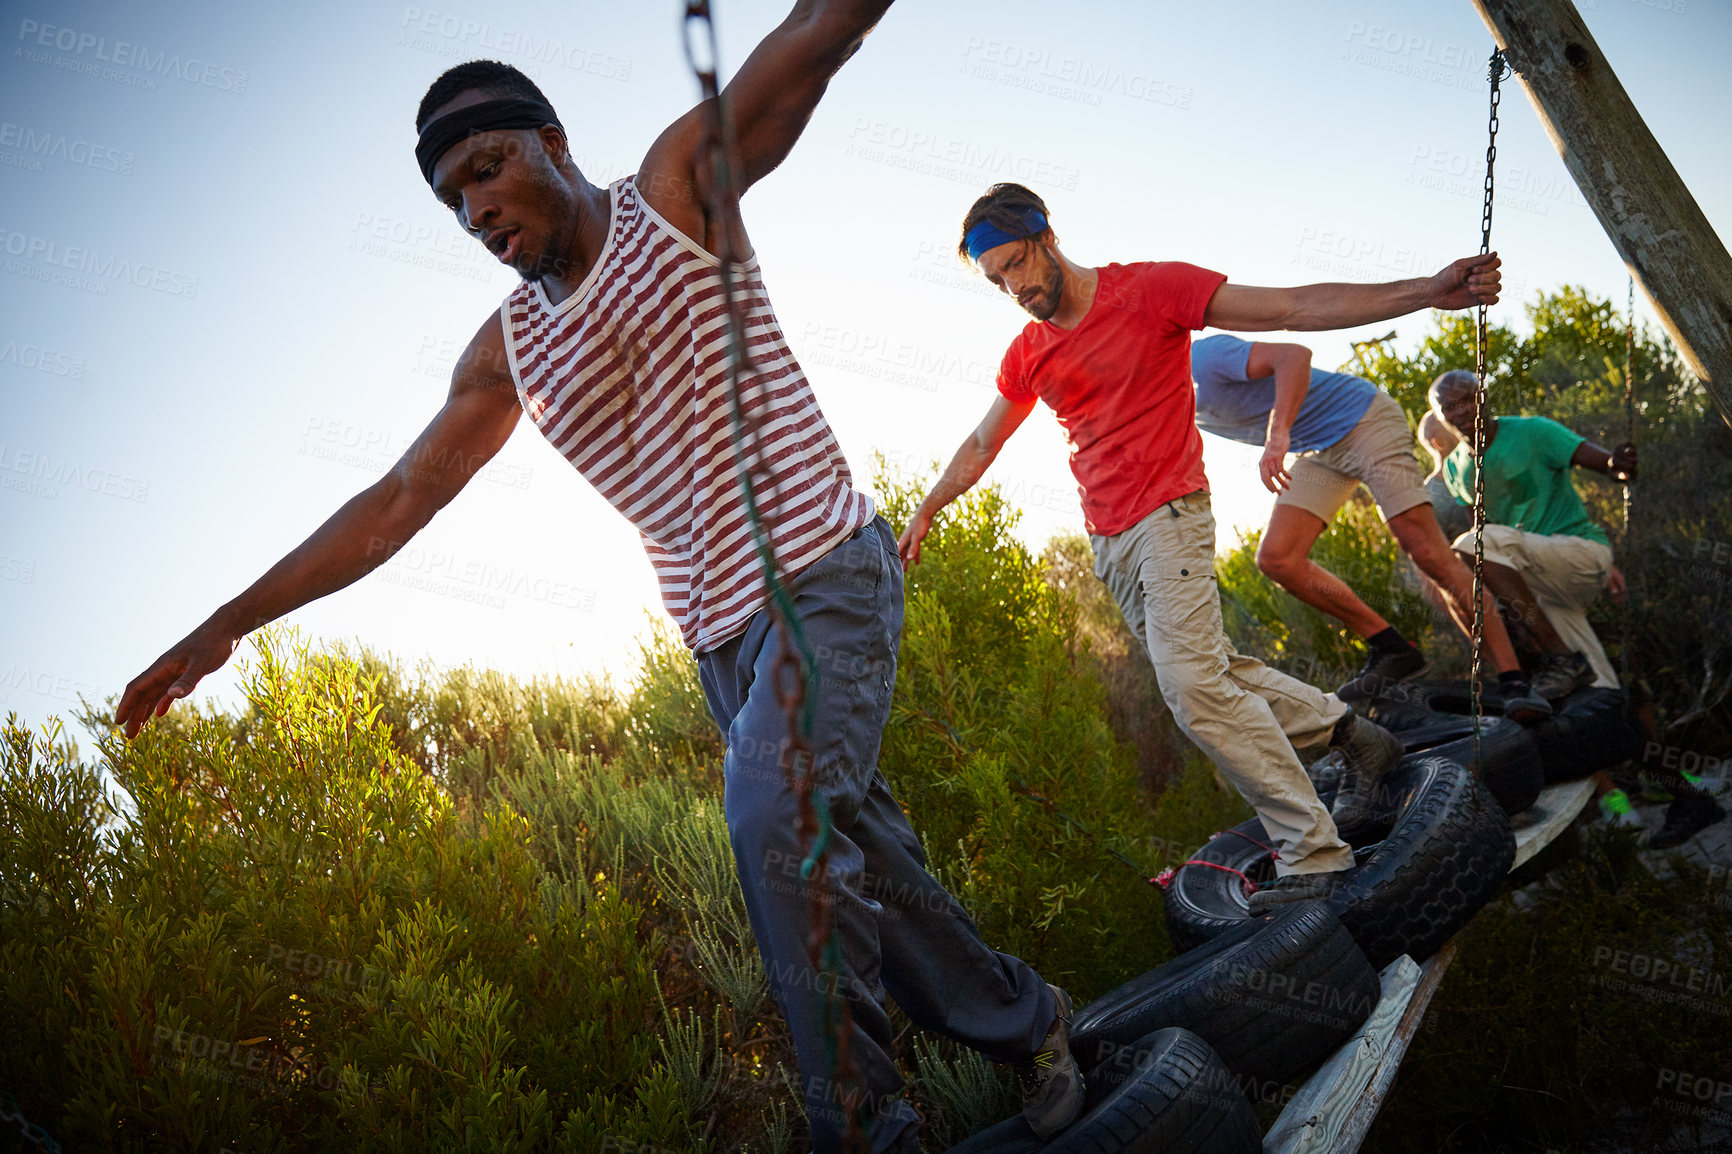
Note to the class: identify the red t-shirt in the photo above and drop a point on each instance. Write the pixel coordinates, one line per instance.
(1120, 384)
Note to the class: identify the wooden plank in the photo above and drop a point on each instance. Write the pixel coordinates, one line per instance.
(1365, 1109)
(1549, 816)
(1317, 1113)
(1650, 216)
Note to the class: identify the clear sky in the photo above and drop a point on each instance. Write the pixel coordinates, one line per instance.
(228, 302)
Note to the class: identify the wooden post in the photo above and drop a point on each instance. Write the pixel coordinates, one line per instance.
(1654, 222)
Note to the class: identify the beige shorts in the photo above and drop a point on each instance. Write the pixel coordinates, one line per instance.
(1377, 451)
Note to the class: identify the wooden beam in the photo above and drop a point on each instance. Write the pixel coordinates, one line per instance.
(1314, 1118)
(1364, 1112)
(1654, 222)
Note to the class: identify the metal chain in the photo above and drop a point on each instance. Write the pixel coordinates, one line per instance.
(1496, 71)
(10, 1112)
(795, 675)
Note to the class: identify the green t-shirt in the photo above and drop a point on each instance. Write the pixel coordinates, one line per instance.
(1527, 479)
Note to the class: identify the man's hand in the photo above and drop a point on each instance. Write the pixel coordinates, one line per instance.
(909, 543)
(173, 675)
(479, 413)
(1470, 281)
(1616, 586)
(1621, 463)
(1273, 466)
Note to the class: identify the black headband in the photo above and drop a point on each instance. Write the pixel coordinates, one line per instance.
(440, 135)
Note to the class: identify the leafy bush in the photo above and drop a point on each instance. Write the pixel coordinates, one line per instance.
(292, 940)
(1570, 1001)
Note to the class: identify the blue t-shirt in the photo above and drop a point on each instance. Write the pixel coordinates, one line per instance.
(1228, 405)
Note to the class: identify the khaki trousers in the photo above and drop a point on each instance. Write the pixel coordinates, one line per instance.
(1566, 575)
(1244, 716)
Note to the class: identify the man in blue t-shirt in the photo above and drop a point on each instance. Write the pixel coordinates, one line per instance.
(1343, 431)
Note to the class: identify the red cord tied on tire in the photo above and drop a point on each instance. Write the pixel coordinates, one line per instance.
(1164, 879)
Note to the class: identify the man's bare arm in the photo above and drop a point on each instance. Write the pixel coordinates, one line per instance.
(1290, 365)
(972, 460)
(1619, 463)
(770, 101)
(478, 416)
(1245, 308)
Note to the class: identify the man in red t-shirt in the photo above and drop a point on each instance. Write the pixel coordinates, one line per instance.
(1109, 352)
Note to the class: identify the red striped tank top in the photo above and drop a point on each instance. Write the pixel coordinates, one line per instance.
(628, 379)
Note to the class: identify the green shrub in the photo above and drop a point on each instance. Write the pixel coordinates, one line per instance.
(292, 940)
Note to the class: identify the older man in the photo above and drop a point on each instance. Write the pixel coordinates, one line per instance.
(1545, 559)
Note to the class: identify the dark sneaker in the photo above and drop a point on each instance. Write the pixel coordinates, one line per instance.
(1521, 703)
(1052, 1086)
(1561, 674)
(1296, 888)
(1368, 751)
(1690, 814)
(1382, 670)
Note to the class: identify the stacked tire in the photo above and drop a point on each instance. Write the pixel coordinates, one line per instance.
(1168, 1056)
(1180, 1099)
(1437, 854)
(1588, 730)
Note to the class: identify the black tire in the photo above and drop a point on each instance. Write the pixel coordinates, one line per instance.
(1445, 857)
(1587, 732)
(1205, 897)
(1506, 758)
(1177, 1099)
(1273, 997)
(1445, 854)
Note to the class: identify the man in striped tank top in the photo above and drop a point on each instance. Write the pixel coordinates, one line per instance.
(617, 344)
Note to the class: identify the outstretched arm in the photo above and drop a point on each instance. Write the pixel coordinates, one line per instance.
(1290, 365)
(1245, 308)
(971, 461)
(778, 87)
(770, 100)
(478, 416)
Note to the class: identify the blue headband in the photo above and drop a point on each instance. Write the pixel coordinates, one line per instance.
(987, 235)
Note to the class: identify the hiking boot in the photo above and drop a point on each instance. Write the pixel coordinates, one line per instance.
(1521, 703)
(1383, 668)
(1685, 818)
(1297, 888)
(1368, 751)
(1561, 674)
(1052, 1086)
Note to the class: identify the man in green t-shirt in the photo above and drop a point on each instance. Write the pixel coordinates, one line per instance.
(1545, 560)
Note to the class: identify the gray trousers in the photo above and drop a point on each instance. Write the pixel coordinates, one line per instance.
(1246, 717)
(899, 930)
